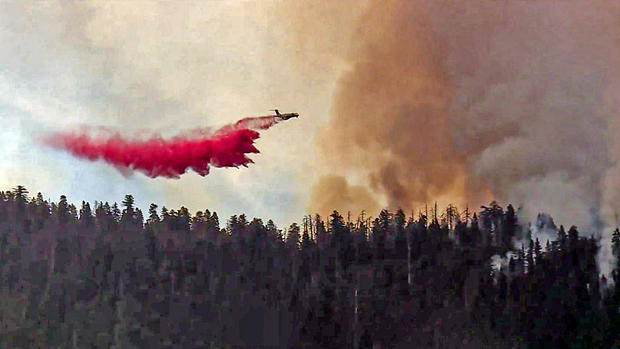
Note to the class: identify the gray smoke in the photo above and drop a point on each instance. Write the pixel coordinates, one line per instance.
(468, 101)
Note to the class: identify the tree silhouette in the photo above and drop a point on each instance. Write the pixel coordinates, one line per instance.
(101, 276)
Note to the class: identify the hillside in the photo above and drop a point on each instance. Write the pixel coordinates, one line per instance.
(109, 276)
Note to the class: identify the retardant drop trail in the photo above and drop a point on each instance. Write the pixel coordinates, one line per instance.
(158, 157)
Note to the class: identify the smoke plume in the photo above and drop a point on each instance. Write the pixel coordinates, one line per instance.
(197, 150)
(473, 101)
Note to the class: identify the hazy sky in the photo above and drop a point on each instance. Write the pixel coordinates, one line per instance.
(401, 102)
(164, 67)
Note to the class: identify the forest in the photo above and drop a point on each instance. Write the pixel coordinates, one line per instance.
(108, 276)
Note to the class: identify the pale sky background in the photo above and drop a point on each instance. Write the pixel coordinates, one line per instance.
(347, 67)
(166, 67)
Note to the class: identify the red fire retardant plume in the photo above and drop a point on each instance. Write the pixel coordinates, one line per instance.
(226, 147)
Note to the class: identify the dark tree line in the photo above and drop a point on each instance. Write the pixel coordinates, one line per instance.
(107, 276)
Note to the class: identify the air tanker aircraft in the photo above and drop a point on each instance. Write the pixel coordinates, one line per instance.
(285, 116)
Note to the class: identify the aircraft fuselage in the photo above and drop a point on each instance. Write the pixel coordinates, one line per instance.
(287, 116)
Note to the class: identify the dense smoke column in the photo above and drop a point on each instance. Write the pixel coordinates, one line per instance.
(473, 101)
(226, 147)
(470, 101)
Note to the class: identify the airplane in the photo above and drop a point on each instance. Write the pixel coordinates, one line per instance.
(285, 116)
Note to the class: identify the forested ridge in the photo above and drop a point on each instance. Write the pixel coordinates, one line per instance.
(109, 276)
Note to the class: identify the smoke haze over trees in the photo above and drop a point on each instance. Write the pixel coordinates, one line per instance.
(111, 275)
(465, 102)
